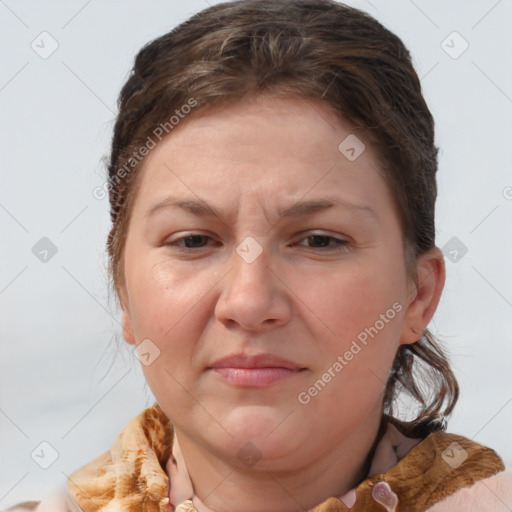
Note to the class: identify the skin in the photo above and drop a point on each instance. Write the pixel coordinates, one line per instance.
(297, 299)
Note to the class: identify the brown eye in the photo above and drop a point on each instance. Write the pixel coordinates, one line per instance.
(323, 242)
(189, 242)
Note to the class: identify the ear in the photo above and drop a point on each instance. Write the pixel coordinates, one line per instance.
(126, 321)
(424, 295)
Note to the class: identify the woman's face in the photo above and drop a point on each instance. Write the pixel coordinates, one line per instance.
(224, 274)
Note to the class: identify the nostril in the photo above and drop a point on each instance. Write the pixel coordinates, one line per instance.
(383, 495)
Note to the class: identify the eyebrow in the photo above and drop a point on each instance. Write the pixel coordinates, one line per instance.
(203, 209)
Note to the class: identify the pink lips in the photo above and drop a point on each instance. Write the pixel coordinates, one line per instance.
(255, 370)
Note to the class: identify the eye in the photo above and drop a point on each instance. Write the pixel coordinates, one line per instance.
(190, 241)
(323, 241)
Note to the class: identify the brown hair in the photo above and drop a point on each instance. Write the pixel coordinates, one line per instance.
(314, 49)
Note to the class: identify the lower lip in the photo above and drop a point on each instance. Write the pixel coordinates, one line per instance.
(255, 377)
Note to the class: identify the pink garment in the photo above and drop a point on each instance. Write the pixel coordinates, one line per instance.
(493, 494)
(392, 447)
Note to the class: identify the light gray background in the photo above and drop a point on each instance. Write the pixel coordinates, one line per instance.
(57, 326)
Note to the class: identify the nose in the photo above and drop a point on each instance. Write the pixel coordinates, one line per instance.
(254, 295)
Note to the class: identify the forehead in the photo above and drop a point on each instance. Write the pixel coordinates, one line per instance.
(274, 148)
(284, 123)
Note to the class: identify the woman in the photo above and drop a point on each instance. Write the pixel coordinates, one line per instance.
(272, 189)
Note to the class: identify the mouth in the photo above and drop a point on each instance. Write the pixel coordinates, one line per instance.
(255, 377)
(260, 370)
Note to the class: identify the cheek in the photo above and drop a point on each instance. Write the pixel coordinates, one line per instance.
(164, 296)
(363, 315)
(166, 305)
(351, 301)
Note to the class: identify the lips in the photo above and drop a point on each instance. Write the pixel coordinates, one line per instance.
(255, 371)
(256, 361)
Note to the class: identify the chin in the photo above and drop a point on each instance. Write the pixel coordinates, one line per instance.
(266, 431)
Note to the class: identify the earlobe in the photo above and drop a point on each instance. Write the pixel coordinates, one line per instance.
(126, 320)
(126, 323)
(425, 296)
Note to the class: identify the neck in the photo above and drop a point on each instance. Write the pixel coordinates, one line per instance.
(216, 484)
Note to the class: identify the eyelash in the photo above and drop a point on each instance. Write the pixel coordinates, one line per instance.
(341, 245)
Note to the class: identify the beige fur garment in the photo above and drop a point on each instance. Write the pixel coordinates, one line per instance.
(130, 477)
